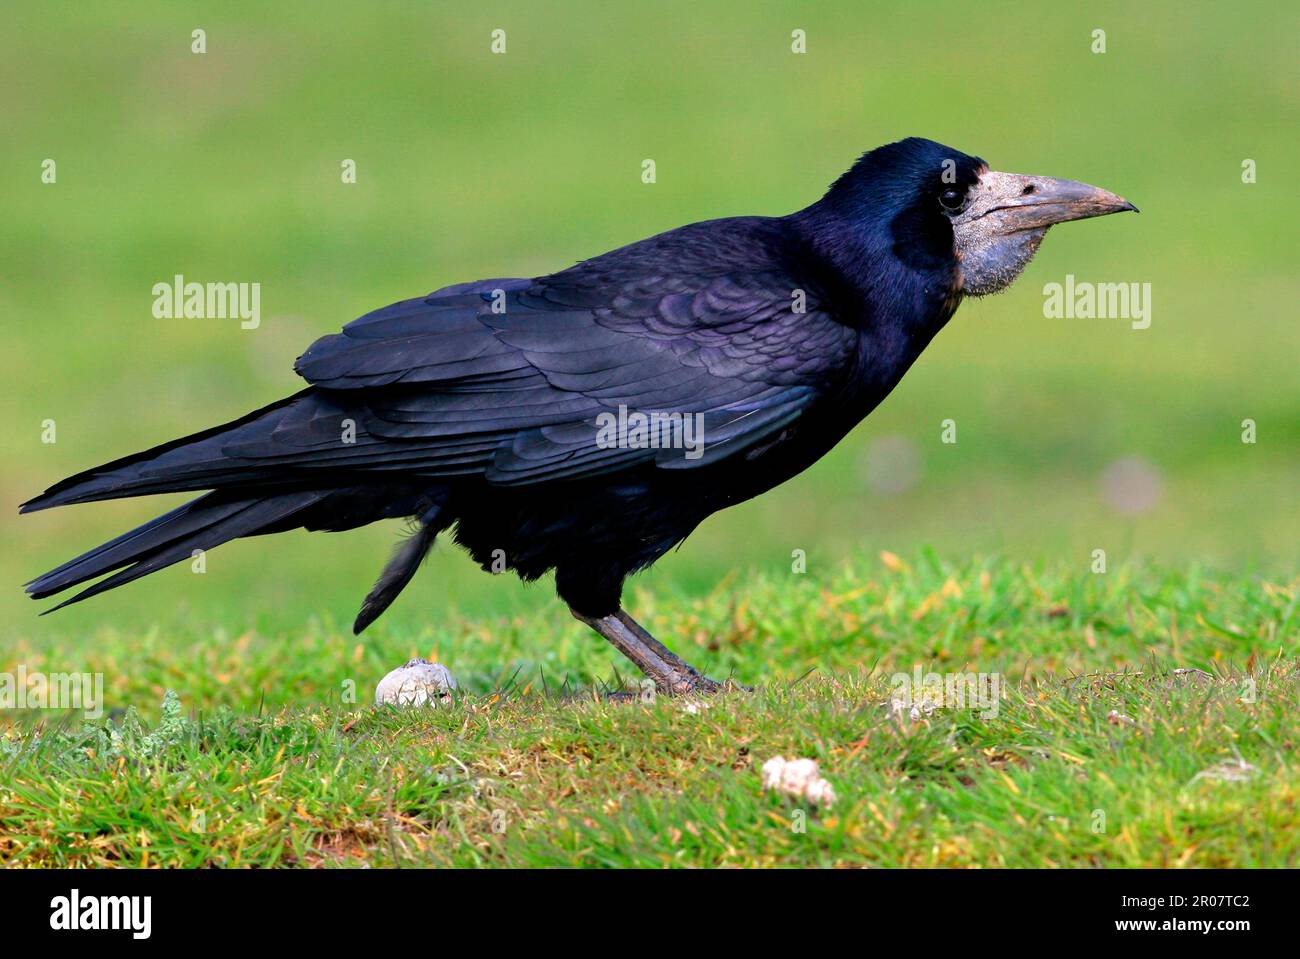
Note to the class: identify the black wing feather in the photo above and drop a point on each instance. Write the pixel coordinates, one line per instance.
(507, 378)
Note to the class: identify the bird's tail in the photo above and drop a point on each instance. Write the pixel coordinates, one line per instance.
(196, 462)
(200, 524)
(250, 495)
(401, 567)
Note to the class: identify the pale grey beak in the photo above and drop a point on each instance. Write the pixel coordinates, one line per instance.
(1005, 218)
(1022, 202)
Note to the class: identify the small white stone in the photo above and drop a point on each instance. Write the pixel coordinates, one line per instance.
(820, 793)
(417, 683)
(772, 771)
(800, 778)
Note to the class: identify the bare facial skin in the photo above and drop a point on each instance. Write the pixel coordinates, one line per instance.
(1005, 216)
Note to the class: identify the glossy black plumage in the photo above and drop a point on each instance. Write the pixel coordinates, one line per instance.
(475, 407)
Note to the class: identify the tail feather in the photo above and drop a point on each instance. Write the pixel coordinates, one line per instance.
(255, 468)
(203, 523)
(117, 552)
(405, 561)
(191, 463)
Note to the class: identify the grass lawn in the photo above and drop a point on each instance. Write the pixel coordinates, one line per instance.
(1148, 718)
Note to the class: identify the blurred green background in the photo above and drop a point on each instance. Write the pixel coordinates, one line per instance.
(226, 166)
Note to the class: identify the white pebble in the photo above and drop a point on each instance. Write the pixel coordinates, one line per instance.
(417, 683)
(800, 778)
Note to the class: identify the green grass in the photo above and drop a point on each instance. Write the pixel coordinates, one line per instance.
(1132, 699)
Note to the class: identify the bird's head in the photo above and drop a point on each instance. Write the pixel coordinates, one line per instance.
(933, 206)
(999, 220)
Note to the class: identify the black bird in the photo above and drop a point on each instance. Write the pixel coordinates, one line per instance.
(586, 422)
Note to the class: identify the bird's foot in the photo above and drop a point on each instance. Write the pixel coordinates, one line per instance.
(694, 683)
(676, 685)
(670, 674)
(621, 696)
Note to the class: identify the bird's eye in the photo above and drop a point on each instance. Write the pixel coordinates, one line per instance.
(951, 199)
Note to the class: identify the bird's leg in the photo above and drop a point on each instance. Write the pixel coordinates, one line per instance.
(671, 675)
(702, 682)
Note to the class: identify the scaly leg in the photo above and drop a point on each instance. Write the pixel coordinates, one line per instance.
(672, 675)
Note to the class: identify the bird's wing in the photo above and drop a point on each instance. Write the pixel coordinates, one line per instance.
(510, 378)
